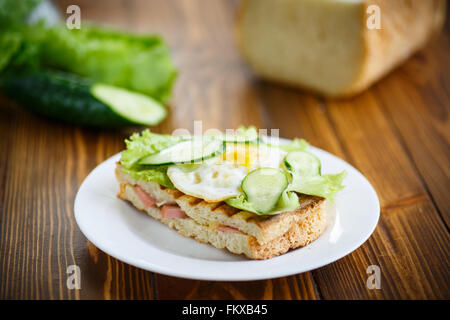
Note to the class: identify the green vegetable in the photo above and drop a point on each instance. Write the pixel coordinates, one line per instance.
(287, 202)
(12, 16)
(21, 54)
(156, 174)
(138, 63)
(306, 178)
(305, 169)
(9, 44)
(142, 145)
(190, 151)
(294, 145)
(303, 163)
(81, 101)
(13, 12)
(326, 186)
(265, 193)
(263, 188)
(131, 106)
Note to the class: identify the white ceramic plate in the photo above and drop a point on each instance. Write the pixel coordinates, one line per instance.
(129, 235)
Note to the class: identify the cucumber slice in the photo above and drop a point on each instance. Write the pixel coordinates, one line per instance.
(133, 106)
(263, 188)
(189, 151)
(303, 163)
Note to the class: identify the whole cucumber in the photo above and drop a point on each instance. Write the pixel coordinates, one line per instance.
(76, 100)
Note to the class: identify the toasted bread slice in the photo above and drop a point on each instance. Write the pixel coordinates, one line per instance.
(258, 237)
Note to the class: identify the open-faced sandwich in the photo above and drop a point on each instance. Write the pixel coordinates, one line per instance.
(232, 191)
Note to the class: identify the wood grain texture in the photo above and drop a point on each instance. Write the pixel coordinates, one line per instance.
(397, 134)
(287, 288)
(382, 159)
(422, 125)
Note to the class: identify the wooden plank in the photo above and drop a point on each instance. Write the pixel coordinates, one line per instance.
(197, 31)
(298, 115)
(6, 126)
(422, 121)
(352, 130)
(410, 245)
(371, 144)
(40, 239)
(286, 288)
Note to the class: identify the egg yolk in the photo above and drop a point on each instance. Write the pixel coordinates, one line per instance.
(241, 155)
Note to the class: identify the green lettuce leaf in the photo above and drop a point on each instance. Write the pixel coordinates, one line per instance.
(156, 174)
(138, 63)
(326, 186)
(142, 145)
(288, 202)
(295, 145)
(145, 144)
(10, 42)
(13, 12)
(12, 17)
(135, 62)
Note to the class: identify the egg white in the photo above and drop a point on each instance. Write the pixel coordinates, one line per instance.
(220, 178)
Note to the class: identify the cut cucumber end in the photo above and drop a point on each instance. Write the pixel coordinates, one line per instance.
(132, 106)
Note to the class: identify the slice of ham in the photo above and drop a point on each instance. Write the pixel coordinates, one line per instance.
(172, 212)
(146, 199)
(228, 229)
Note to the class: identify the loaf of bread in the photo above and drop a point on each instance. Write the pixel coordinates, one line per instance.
(334, 47)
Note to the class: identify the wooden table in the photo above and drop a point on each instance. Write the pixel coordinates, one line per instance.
(397, 134)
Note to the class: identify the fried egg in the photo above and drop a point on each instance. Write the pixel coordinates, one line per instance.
(220, 178)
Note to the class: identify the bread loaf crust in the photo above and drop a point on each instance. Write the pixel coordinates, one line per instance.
(406, 26)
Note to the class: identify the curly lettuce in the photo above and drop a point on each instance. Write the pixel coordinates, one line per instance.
(139, 63)
(142, 145)
(134, 62)
(325, 186)
(13, 12)
(10, 42)
(154, 173)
